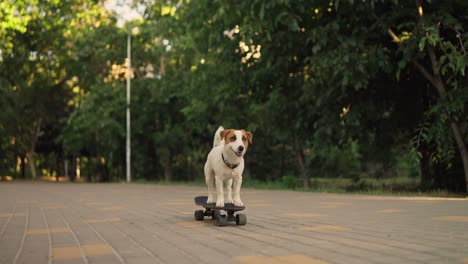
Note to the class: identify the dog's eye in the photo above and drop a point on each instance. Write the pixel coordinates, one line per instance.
(244, 138)
(233, 138)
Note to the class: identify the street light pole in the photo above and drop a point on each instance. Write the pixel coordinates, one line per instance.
(128, 152)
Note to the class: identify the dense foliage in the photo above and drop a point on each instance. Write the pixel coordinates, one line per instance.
(328, 88)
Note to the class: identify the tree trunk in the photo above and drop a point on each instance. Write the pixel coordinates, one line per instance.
(72, 170)
(282, 162)
(165, 160)
(462, 149)
(30, 154)
(32, 166)
(65, 168)
(300, 162)
(168, 169)
(16, 174)
(425, 168)
(23, 166)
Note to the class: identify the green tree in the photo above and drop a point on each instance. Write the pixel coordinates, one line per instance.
(36, 37)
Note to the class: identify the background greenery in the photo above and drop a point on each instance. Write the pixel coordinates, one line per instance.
(356, 90)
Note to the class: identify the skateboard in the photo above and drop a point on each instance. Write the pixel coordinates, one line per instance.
(215, 212)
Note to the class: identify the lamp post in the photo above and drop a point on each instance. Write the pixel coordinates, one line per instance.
(128, 149)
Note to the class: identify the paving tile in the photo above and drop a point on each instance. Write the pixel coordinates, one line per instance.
(292, 259)
(103, 220)
(390, 211)
(326, 228)
(78, 252)
(48, 231)
(302, 215)
(452, 218)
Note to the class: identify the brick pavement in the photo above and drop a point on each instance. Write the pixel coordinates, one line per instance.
(133, 223)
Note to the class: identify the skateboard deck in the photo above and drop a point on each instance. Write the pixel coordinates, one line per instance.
(201, 200)
(214, 211)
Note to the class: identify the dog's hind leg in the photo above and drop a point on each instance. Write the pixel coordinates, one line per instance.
(229, 191)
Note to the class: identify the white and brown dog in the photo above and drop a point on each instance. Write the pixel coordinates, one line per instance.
(225, 163)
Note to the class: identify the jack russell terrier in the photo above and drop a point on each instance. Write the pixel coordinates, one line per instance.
(225, 162)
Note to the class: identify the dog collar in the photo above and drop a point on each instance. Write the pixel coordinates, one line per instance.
(231, 166)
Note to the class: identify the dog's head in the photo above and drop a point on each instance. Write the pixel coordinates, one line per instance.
(236, 141)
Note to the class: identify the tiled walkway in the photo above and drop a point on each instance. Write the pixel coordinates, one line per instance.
(132, 223)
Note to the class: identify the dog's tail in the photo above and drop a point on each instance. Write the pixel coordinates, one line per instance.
(217, 137)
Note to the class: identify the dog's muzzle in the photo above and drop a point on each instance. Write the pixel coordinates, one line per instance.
(239, 152)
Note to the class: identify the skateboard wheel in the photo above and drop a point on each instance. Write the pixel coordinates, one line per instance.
(241, 219)
(199, 215)
(221, 220)
(214, 214)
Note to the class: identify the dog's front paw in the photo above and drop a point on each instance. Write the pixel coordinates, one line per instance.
(210, 200)
(238, 202)
(220, 203)
(229, 200)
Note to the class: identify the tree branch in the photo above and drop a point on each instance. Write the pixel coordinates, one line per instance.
(458, 35)
(393, 35)
(389, 30)
(424, 72)
(434, 62)
(439, 85)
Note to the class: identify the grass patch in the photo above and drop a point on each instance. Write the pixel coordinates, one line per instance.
(196, 183)
(370, 186)
(399, 186)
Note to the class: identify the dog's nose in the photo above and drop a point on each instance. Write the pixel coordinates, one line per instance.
(241, 148)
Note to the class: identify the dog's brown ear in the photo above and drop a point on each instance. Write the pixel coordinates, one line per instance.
(249, 136)
(224, 133)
